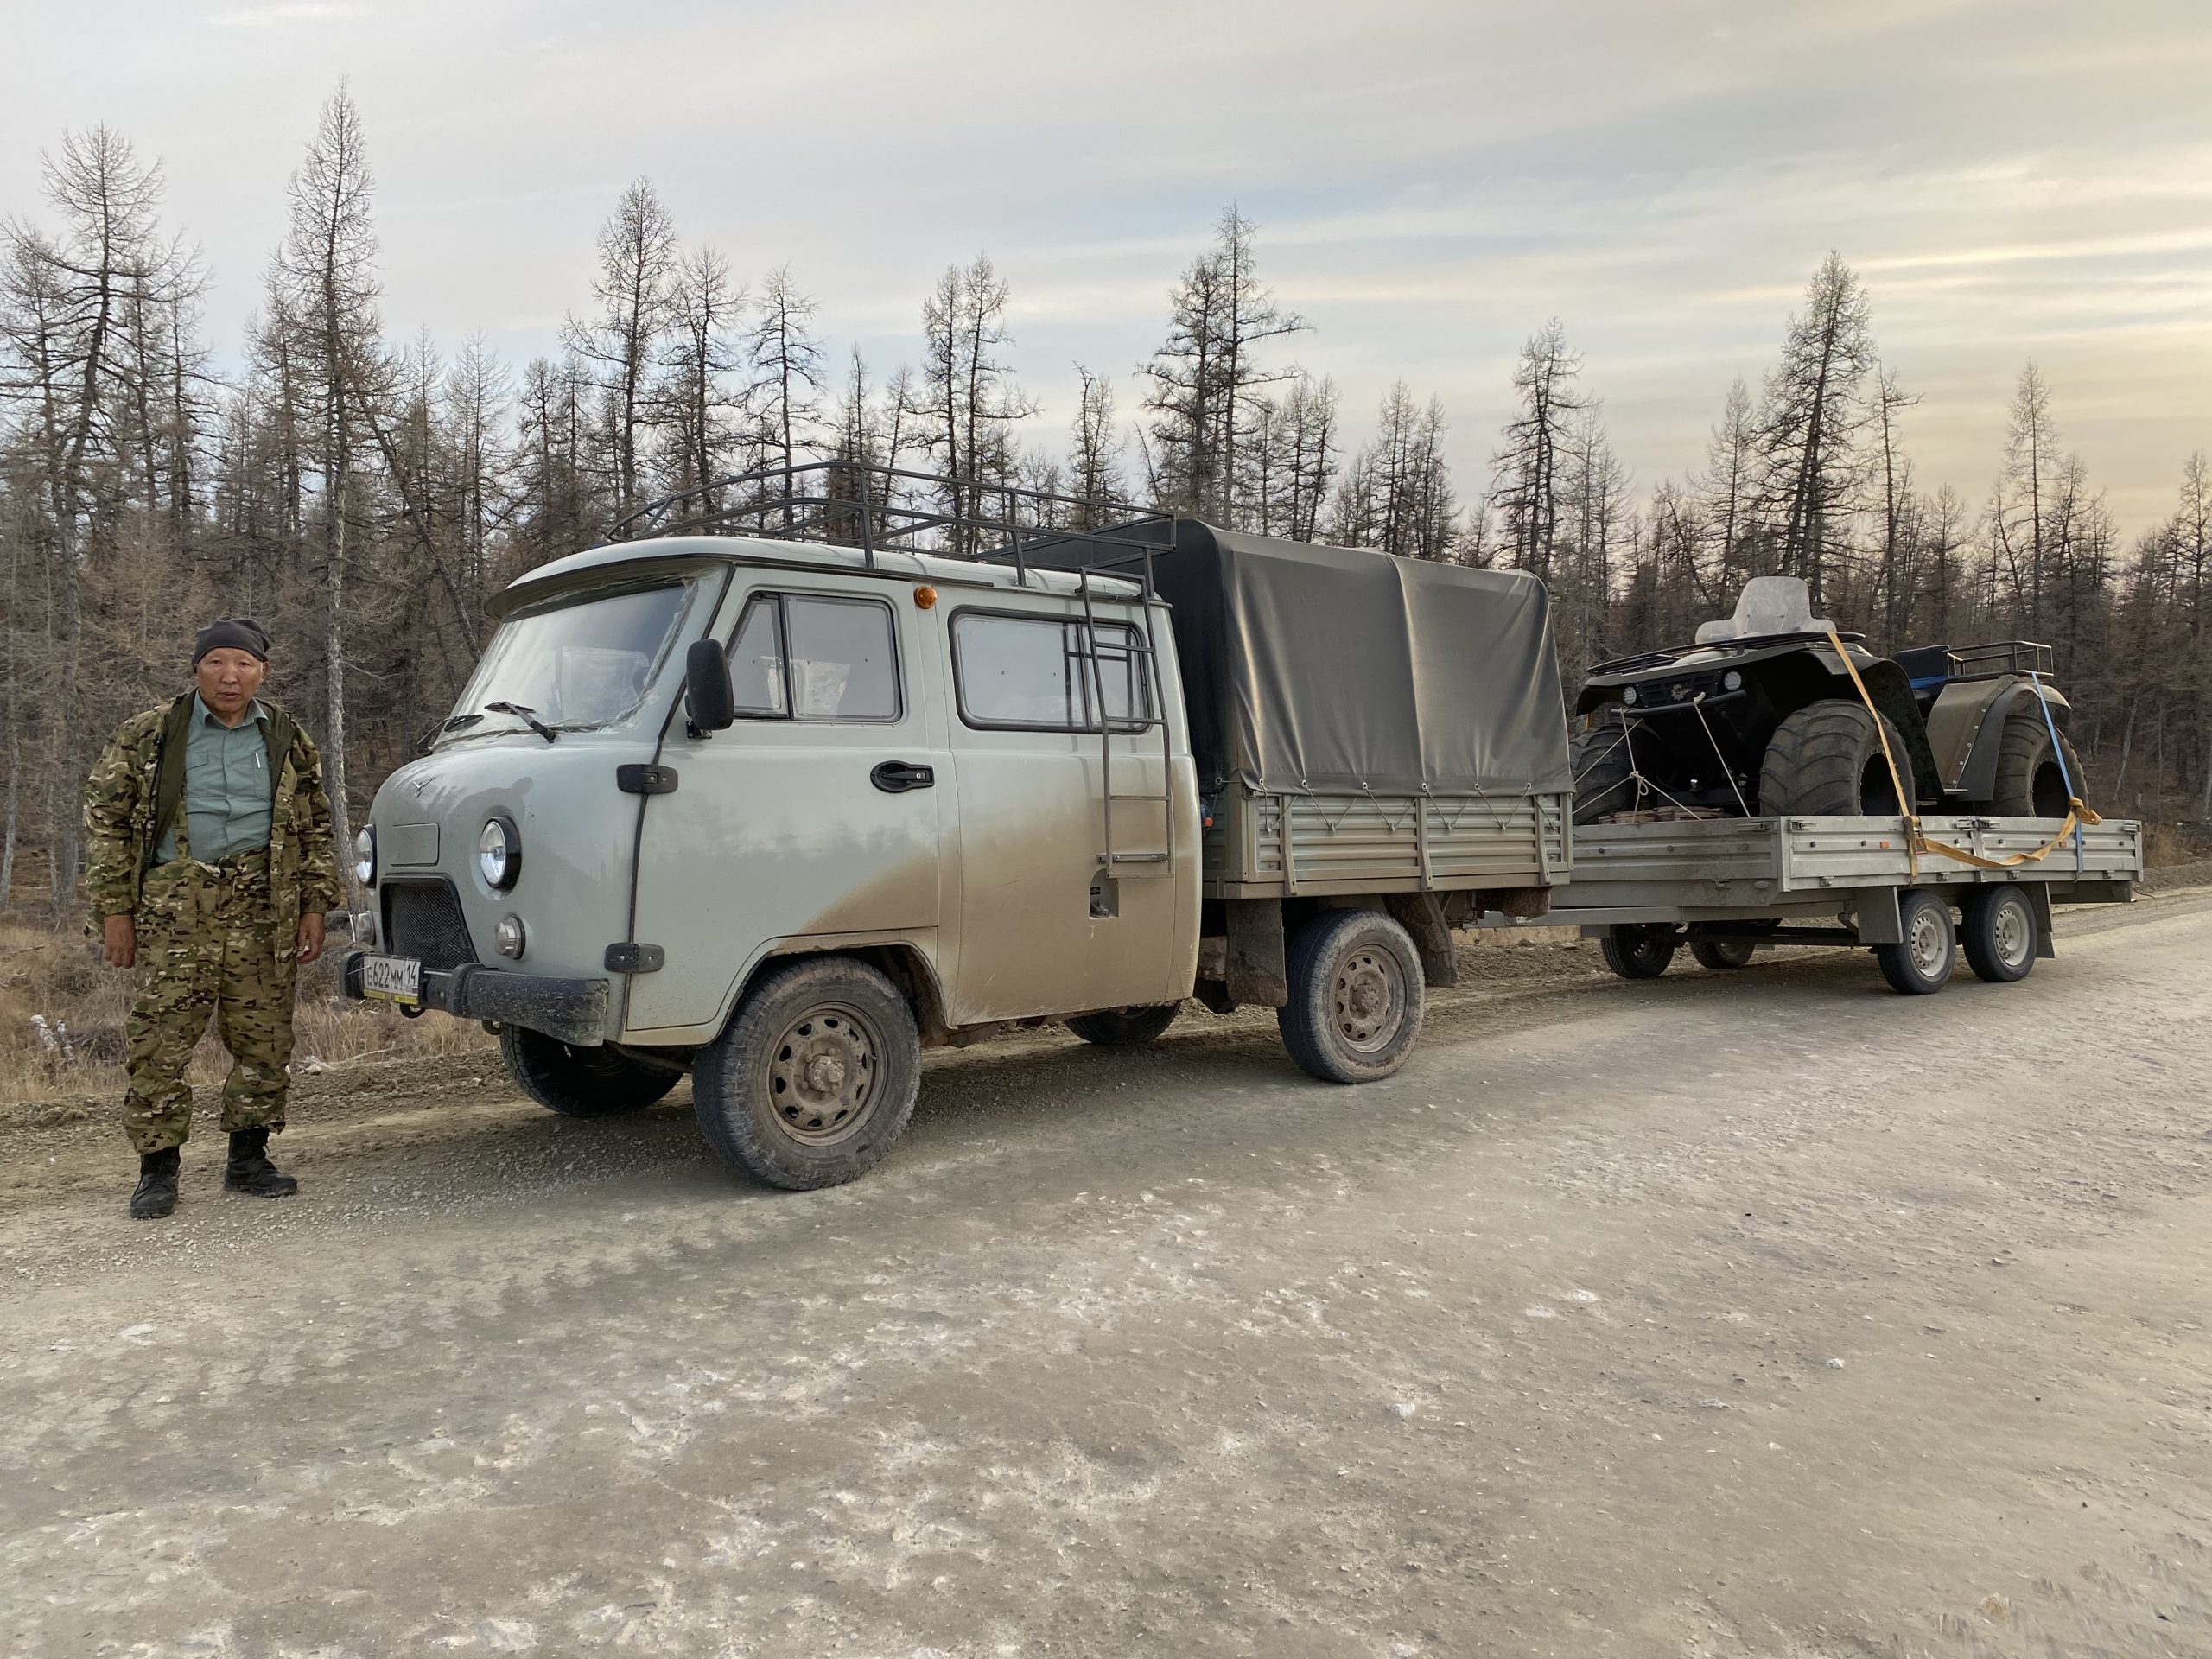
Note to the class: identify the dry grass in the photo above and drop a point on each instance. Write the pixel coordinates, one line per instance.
(57, 978)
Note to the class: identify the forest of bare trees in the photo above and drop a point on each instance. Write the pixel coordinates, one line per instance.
(363, 495)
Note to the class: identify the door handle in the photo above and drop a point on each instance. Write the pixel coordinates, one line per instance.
(897, 777)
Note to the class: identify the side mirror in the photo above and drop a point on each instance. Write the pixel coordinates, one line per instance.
(709, 702)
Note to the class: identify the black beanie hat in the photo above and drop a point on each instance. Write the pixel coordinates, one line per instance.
(231, 633)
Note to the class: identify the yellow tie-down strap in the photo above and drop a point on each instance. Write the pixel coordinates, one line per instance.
(1918, 841)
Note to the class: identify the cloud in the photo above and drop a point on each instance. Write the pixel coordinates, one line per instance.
(296, 11)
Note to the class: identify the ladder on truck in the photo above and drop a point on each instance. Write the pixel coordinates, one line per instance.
(1141, 660)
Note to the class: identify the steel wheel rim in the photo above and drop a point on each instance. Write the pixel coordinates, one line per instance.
(1927, 943)
(2010, 931)
(820, 1076)
(1367, 999)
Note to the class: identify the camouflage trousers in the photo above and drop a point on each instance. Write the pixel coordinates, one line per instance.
(208, 945)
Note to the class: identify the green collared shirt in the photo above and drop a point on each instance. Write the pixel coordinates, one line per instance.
(227, 786)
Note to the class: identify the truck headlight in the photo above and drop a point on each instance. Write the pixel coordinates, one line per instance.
(499, 853)
(1628, 696)
(364, 856)
(1732, 681)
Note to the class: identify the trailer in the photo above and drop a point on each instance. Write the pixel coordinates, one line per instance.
(1909, 890)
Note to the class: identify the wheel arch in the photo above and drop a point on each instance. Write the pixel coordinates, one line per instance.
(1978, 779)
(904, 963)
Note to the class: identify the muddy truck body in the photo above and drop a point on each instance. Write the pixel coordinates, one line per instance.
(780, 813)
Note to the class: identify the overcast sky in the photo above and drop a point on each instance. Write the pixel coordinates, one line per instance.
(2014, 179)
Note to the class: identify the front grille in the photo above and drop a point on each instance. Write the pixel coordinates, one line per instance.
(422, 919)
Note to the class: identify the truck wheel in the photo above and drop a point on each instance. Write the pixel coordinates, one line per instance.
(1922, 965)
(580, 1082)
(2030, 781)
(1124, 1027)
(1721, 954)
(1603, 769)
(1356, 996)
(1638, 950)
(815, 1076)
(1826, 760)
(1998, 931)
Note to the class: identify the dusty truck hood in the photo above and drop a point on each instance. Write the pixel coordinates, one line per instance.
(577, 831)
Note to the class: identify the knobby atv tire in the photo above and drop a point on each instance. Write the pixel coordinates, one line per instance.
(1604, 770)
(1826, 760)
(580, 1082)
(1638, 950)
(1921, 965)
(1124, 1027)
(814, 1077)
(2029, 783)
(1998, 928)
(1356, 996)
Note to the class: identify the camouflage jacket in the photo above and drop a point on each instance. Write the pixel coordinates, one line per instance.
(120, 831)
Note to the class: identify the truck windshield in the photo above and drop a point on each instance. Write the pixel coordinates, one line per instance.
(573, 662)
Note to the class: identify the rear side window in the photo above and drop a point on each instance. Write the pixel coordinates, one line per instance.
(1030, 673)
(810, 657)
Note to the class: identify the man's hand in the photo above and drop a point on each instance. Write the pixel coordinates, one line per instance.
(310, 938)
(120, 942)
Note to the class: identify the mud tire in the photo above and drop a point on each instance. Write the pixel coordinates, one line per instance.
(1124, 1027)
(2028, 783)
(813, 1079)
(1356, 997)
(1825, 760)
(1603, 769)
(1922, 965)
(580, 1082)
(1998, 928)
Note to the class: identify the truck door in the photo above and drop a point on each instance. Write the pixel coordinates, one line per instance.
(815, 815)
(1053, 917)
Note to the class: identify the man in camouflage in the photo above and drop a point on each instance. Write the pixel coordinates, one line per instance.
(211, 865)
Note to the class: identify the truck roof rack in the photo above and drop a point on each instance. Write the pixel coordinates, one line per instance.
(869, 505)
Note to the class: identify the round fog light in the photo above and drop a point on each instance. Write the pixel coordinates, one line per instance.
(508, 936)
(1628, 696)
(1732, 681)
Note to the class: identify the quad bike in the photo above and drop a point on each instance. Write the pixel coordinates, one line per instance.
(1760, 718)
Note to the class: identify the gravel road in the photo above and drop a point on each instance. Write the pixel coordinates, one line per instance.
(1756, 1314)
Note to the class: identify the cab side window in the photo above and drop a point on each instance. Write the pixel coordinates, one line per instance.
(1031, 673)
(812, 656)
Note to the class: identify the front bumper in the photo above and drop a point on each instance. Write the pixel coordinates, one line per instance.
(572, 1011)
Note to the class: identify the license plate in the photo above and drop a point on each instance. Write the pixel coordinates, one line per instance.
(393, 979)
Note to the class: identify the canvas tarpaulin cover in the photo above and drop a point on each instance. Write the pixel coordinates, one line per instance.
(1327, 670)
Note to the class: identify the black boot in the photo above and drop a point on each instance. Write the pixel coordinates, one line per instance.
(250, 1170)
(156, 1193)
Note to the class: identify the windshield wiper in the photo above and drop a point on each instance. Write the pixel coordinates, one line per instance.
(527, 715)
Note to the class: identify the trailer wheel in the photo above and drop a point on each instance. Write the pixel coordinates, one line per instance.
(815, 1076)
(1638, 950)
(1722, 955)
(1998, 931)
(1356, 996)
(1921, 966)
(2031, 781)
(1603, 769)
(1826, 758)
(1123, 1028)
(580, 1082)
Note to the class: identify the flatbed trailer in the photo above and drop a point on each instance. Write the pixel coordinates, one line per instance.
(1725, 886)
